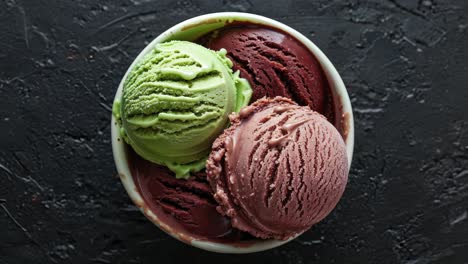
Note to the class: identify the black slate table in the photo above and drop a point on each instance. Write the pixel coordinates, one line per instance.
(405, 64)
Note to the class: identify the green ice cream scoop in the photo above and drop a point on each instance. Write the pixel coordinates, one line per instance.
(176, 101)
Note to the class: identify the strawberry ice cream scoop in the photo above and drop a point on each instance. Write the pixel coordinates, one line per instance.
(279, 168)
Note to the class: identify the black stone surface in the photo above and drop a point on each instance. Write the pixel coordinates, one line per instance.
(403, 61)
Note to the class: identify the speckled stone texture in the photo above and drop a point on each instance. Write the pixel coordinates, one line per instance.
(404, 63)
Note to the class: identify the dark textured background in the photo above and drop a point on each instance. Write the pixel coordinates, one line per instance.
(404, 63)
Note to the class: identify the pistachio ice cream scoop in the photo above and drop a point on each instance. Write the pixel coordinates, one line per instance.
(176, 101)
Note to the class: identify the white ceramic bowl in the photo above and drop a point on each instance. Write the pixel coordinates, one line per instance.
(189, 30)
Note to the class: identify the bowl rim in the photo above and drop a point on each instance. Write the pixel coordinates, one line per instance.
(118, 146)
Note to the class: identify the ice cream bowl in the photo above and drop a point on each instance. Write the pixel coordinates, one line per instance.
(191, 30)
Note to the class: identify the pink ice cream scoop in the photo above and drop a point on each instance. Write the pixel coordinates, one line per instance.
(279, 168)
